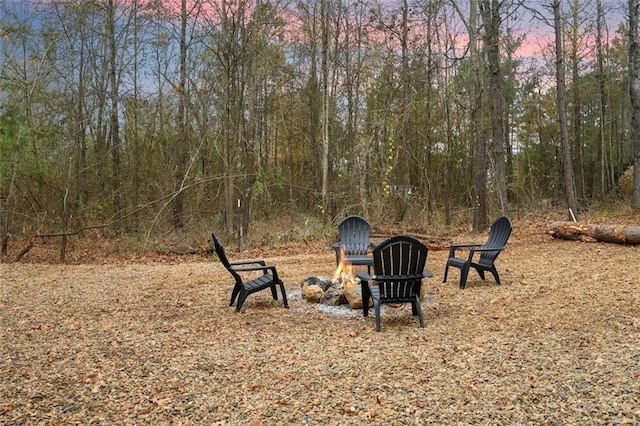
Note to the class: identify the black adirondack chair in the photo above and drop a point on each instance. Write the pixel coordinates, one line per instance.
(242, 289)
(354, 241)
(398, 270)
(488, 253)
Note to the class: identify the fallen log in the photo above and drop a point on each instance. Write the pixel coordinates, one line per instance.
(617, 234)
(26, 249)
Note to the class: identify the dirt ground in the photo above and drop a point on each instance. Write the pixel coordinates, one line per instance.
(153, 341)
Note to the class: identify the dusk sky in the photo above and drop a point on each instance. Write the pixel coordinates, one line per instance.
(539, 34)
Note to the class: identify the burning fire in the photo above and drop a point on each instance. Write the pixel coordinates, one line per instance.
(343, 288)
(344, 272)
(346, 279)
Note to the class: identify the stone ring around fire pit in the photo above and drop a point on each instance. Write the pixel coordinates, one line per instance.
(344, 290)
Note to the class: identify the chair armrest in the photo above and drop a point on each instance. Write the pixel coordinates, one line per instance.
(263, 268)
(248, 262)
(488, 248)
(458, 246)
(454, 247)
(482, 249)
(394, 278)
(364, 276)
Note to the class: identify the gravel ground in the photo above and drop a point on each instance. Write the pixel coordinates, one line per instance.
(154, 342)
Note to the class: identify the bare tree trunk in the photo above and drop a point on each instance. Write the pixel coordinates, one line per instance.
(180, 148)
(229, 126)
(81, 188)
(403, 173)
(313, 92)
(115, 122)
(604, 168)
(480, 219)
(5, 211)
(569, 181)
(575, 90)
(65, 225)
(135, 133)
(324, 17)
(4, 228)
(490, 11)
(353, 51)
(634, 89)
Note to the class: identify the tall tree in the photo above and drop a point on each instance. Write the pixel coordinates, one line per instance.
(567, 164)
(114, 85)
(226, 47)
(396, 25)
(490, 12)
(325, 35)
(575, 59)
(634, 89)
(406, 109)
(602, 78)
(354, 55)
(480, 216)
(180, 148)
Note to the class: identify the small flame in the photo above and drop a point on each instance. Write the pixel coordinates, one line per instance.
(344, 271)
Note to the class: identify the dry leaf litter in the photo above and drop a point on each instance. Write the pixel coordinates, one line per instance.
(156, 343)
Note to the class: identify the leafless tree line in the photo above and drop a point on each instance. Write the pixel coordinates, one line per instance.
(146, 115)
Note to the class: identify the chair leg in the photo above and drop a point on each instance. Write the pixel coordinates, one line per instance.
(376, 310)
(241, 298)
(274, 294)
(418, 308)
(446, 272)
(494, 271)
(234, 293)
(284, 294)
(463, 276)
(366, 297)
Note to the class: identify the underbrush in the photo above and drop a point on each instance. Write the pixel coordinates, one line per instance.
(275, 233)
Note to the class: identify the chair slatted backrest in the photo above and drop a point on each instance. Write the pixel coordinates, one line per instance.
(223, 258)
(398, 266)
(498, 237)
(354, 233)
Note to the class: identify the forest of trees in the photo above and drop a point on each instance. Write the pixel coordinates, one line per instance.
(137, 116)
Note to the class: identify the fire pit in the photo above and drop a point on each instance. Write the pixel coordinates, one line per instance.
(342, 289)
